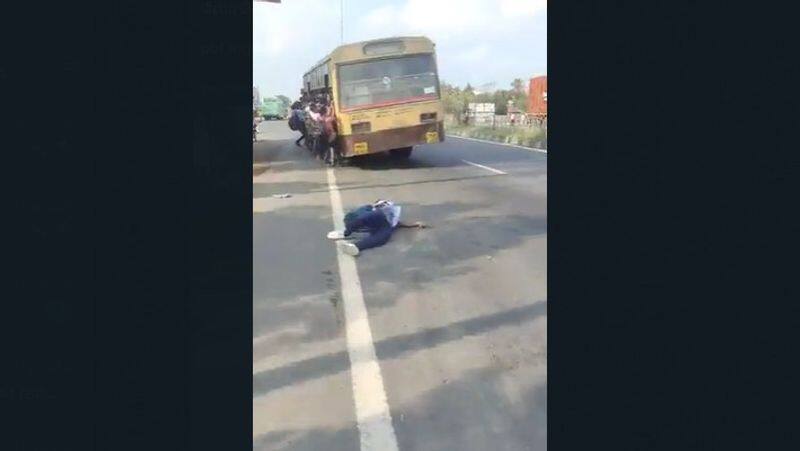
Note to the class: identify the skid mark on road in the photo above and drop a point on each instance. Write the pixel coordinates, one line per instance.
(372, 408)
(496, 171)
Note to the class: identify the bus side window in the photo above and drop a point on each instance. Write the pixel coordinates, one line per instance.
(326, 80)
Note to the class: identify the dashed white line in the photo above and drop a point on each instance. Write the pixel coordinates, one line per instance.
(372, 408)
(496, 171)
(532, 149)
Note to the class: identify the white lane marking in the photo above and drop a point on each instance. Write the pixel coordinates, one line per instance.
(372, 409)
(534, 149)
(496, 171)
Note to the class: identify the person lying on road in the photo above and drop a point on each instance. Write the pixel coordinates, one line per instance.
(378, 221)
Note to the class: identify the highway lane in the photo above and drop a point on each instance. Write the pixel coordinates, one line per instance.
(457, 311)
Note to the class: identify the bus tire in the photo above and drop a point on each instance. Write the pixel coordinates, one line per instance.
(404, 152)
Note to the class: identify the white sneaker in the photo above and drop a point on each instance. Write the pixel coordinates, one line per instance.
(348, 248)
(336, 235)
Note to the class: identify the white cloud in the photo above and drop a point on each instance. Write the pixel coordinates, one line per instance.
(477, 41)
(521, 8)
(446, 16)
(279, 29)
(380, 17)
(475, 54)
(287, 39)
(440, 19)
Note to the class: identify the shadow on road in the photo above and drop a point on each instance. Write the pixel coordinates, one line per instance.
(416, 259)
(267, 189)
(288, 290)
(411, 261)
(466, 414)
(417, 182)
(308, 440)
(393, 347)
(273, 150)
(385, 161)
(472, 412)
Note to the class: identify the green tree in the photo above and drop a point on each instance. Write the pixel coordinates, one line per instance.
(519, 94)
(501, 98)
(455, 99)
(518, 86)
(452, 100)
(467, 97)
(285, 101)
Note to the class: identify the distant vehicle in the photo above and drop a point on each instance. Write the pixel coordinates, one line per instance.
(537, 99)
(384, 93)
(273, 109)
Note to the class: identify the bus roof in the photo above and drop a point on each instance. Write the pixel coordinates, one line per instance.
(355, 50)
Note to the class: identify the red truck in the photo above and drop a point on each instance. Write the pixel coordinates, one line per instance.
(537, 98)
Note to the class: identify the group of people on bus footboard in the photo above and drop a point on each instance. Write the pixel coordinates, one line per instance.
(314, 118)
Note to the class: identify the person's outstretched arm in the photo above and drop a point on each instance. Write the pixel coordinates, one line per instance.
(416, 225)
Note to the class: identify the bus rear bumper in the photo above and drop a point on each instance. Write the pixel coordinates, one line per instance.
(381, 141)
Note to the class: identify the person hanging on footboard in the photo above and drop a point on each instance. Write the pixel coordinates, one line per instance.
(377, 220)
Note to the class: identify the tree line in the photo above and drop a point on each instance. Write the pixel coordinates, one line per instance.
(455, 98)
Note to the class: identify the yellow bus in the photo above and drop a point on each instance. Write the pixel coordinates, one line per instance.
(384, 92)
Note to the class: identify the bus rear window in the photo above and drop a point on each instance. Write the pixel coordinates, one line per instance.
(387, 81)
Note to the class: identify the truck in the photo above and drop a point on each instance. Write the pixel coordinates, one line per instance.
(273, 109)
(537, 99)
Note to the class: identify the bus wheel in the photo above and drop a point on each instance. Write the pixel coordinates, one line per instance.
(405, 152)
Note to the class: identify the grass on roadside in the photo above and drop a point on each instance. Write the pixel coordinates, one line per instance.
(521, 136)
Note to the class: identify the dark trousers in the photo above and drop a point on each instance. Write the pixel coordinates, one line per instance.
(321, 145)
(303, 133)
(374, 223)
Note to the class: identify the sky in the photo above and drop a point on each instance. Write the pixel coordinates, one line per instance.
(477, 41)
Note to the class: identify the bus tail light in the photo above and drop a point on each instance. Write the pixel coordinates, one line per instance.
(426, 118)
(361, 127)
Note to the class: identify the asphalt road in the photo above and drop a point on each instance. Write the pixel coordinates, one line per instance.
(457, 312)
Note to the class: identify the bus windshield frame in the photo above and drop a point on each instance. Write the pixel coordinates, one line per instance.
(385, 82)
